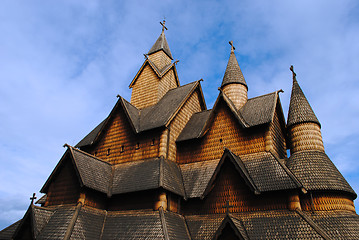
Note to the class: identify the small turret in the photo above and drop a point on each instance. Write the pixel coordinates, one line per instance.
(303, 126)
(233, 84)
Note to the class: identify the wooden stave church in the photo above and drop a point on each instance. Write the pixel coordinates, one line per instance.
(163, 166)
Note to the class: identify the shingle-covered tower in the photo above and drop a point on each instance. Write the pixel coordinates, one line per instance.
(156, 76)
(303, 126)
(233, 84)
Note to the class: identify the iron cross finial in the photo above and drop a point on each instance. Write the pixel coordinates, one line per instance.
(33, 198)
(227, 206)
(163, 25)
(233, 48)
(294, 74)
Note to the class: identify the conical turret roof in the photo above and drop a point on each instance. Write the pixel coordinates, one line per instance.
(300, 110)
(161, 44)
(233, 72)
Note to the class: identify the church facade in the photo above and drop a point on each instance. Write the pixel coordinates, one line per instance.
(163, 166)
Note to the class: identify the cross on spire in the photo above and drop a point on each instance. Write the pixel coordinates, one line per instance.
(232, 47)
(227, 206)
(33, 198)
(163, 25)
(294, 74)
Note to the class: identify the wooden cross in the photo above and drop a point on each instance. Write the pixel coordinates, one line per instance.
(227, 206)
(33, 198)
(294, 74)
(233, 48)
(163, 25)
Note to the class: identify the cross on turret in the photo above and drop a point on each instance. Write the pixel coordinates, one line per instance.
(294, 74)
(227, 206)
(33, 198)
(233, 48)
(163, 25)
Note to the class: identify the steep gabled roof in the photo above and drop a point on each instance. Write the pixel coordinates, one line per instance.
(233, 73)
(91, 171)
(235, 224)
(147, 174)
(199, 177)
(161, 44)
(158, 115)
(257, 111)
(316, 171)
(159, 72)
(300, 110)
(121, 178)
(34, 221)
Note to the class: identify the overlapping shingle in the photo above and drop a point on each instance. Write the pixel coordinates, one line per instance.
(316, 171)
(88, 224)
(161, 44)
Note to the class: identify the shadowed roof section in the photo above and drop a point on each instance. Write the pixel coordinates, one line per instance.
(148, 118)
(257, 111)
(233, 73)
(316, 171)
(198, 177)
(122, 178)
(234, 223)
(300, 110)
(161, 44)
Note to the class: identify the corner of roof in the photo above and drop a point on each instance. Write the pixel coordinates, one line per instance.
(228, 219)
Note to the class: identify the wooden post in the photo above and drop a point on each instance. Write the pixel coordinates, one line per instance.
(294, 201)
(161, 201)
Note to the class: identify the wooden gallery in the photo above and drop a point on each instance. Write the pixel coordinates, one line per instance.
(163, 166)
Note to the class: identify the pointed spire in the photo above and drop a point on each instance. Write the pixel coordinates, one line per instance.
(161, 43)
(233, 72)
(300, 110)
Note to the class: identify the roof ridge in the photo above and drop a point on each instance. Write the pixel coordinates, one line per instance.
(163, 223)
(264, 95)
(72, 223)
(316, 227)
(89, 155)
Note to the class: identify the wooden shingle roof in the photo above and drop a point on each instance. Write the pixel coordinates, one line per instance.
(316, 171)
(233, 73)
(257, 111)
(161, 44)
(300, 110)
(156, 116)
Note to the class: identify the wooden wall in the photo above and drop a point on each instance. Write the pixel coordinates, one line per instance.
(145, 89)
(224, 131)
(191, 106)
(326, 201)
(120, 134)
(65, 187)
(277, 134)
(305, 136)
(167, 82)
(160, 59)
(95, 199)
(230, 186)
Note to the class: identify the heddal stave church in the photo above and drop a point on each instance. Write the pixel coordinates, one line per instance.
(163, 166)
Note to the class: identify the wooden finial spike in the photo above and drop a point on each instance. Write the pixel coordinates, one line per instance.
(233, 48)
(227, 206)
(163, 25)
(294, 74)
(33, 198)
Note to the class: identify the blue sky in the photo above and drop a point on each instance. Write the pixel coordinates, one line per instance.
(62, 63)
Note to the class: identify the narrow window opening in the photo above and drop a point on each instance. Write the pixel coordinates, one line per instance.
(220, 140)
(137, 145)
(153, 142)
(122, 148)
(108, 151)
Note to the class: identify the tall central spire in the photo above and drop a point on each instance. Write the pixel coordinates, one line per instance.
(161, 43)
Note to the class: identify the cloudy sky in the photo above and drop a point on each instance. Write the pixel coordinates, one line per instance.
(62, 63)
